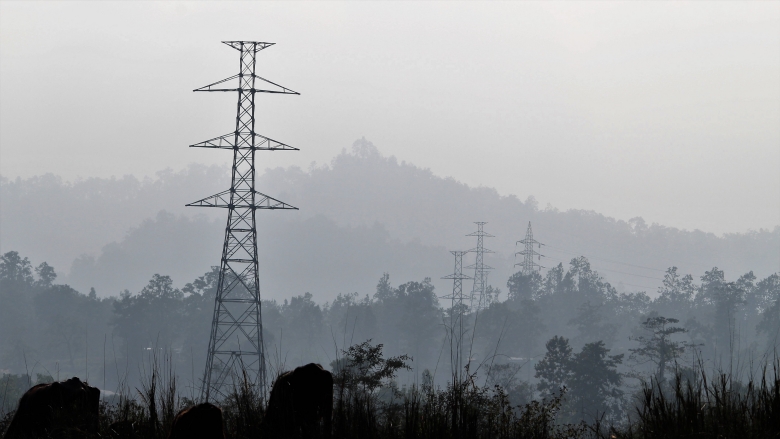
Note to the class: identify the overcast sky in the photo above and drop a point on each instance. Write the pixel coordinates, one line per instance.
(669, 111)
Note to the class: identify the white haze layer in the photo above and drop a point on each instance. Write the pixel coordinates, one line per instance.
(665, 110)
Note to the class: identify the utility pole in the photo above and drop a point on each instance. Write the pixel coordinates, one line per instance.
(480, 269)
(236, 351)
(528, 265)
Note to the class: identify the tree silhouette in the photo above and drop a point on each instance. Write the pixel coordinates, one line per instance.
(524, 287)
(554, 370)
(656, 344)
(595, 381)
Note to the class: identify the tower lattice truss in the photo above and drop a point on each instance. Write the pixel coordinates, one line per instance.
(457, 310)
(481, 270)
(236, 352)
(528, 253)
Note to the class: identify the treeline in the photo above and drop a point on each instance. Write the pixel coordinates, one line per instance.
(567, 327)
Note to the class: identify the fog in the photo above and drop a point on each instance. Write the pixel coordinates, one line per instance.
(113, 234)
(640, 140)
(628, 109)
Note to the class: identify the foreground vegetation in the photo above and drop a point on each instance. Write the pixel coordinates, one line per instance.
(368, 404)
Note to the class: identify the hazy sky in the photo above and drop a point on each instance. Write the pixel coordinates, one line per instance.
(669, 111)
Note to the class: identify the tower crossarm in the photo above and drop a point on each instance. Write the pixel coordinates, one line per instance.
(242, 200)
(457, 276)
(242, 45)
(529, 241)
(484, 266)
(532, 253)
(279, 88)
(246, 140)
(483, 234)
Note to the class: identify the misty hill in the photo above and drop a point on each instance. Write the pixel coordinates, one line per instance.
(364, 186)
(296, 255)
(48, 218)
(361, 215)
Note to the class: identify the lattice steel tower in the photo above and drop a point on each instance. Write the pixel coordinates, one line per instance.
(457, 310)
(480, 269)
(236, 343)
(528, 265)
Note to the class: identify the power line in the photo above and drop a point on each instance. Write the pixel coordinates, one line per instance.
(605, 260)
(624, 283)
(631, 274)
(578, 236)
(612, 271)
(638, 286)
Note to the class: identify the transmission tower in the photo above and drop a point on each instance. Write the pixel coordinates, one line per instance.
(236, 350)
(457, 310)
(528, 265)
(480, 269)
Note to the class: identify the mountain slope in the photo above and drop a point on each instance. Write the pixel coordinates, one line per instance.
(362, 214)
(363, 186)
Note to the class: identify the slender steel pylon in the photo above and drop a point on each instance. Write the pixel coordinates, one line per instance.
(528, 265)
(457, 332)
(480, 269)
(236, 350)
(457, 311)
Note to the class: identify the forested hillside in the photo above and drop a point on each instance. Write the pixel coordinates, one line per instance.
(363, 210)
(568, 327)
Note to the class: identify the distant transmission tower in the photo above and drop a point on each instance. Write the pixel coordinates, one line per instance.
(528, 265)
(480, 269)
(236, 348)
(457, 310)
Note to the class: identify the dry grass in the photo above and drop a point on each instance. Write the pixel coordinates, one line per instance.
(700, 408)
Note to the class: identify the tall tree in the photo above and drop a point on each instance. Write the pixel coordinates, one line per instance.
(151, 317)
(384, 290)
(677, 292)
(553, 281)
(592, 325)
(528, 327)
(766, 292)
(554, 370)
(595, 381)
(768, 299)
(726, 298)
(303, 325)
(46, 275)
(14, 268)
(524, 286)
(351, 318)
(590, 285)
(198, 310)
(63, 314)
(17, 324)
(420, 318)
(656, 344)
